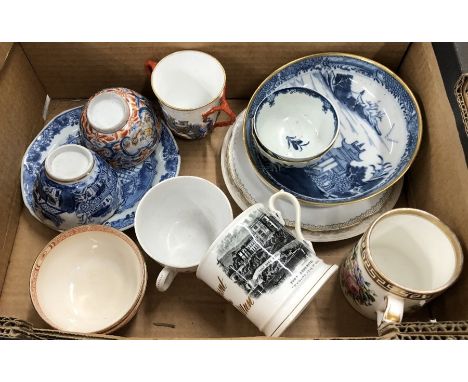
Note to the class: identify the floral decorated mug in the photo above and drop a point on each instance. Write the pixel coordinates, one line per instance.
(267, 273)
(191, 89)
(405, 259)
(121, 126)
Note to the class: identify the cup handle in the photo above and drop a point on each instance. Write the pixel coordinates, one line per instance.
(392, 314)
(223, 106)
(297, 207)
(149, 66)
(165, 278)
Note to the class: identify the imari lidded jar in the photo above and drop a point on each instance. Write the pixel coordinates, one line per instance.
(75, 187)
(121, 126)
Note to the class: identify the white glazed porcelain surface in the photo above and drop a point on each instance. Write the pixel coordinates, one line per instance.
(296, 123)
(69, 163)
(89, 282)
(318, 223)
(413, 252)
(188, 79)
(108, 112)
(178, 220)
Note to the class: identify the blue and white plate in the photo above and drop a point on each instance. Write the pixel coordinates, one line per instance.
(380, 129)
(164, 163)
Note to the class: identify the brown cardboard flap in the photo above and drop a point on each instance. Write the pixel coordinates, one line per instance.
(438, 179)
(78, 70)
(5, 48)
(21, 102)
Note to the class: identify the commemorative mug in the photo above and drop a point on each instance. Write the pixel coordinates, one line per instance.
(176, 222)
(121, 126)
(405, 259)
(75, 187)
(267, 273)
(191, 89)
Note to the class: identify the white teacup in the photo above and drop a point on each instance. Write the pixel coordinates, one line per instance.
(295, 127)
(177, 221)
(267, 273)
(191, 89)
(405, 259)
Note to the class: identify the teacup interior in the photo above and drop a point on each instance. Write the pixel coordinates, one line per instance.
(178, 220)
(413, 251)
(89, 281)
(188, 79)
(295, 123)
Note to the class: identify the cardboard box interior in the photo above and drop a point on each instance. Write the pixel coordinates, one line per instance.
(69, 73)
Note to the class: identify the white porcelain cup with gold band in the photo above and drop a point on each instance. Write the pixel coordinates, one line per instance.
(267, 273)
(405, 259)
(176, 222)
(191, 89)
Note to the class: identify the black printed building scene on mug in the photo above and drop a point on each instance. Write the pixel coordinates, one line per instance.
(260, 254)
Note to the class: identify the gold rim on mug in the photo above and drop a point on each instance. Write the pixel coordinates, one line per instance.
(355, 56)
(65, 235)
(188, 109)
(437, 222)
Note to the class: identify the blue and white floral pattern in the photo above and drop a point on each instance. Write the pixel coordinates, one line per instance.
(164, 163)
(190, 130)
(91, 200)
(380, 129)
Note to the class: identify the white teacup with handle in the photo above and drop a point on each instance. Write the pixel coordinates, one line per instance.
(176, 222)
(406, 258)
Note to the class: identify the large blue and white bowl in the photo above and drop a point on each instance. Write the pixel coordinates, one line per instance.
(380, 129)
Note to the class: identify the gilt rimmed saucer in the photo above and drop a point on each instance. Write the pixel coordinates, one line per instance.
(380, 129)
(319, 224)
(63, 129)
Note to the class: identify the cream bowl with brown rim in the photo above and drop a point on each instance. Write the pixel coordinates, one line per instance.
(89, 279)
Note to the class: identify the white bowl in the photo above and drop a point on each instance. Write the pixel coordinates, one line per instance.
(295, 126)
(88, 280)
(178, 220)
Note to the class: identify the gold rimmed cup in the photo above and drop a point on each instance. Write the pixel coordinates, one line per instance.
(295, 127)
(406, 258)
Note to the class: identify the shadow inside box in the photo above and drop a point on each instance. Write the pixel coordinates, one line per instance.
(188, 309)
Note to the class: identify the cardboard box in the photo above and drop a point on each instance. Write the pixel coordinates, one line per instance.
(70, 72)
(453, 63)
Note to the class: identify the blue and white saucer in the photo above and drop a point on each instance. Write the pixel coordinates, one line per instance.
(380, 129)
(164, 163)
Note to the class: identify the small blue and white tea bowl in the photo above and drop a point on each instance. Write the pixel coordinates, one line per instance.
(295, 127)
(75, 187)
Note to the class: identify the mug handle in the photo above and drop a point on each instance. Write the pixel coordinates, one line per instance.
(297, 207)
(392, 314)
(149, 66)
(165, 278)
(223, 106)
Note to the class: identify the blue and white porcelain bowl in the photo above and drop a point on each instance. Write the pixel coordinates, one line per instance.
(379, 137)
(295, 127)
(75, 187)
